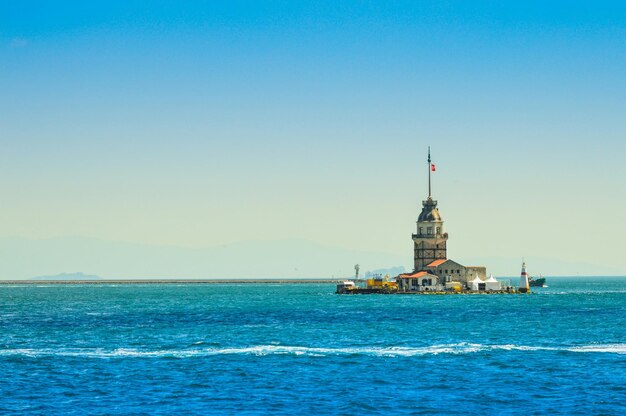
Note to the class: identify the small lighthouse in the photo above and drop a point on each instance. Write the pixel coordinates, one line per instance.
(524, 285)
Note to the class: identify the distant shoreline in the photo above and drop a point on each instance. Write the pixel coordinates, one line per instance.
(222, 281)
(167, 281)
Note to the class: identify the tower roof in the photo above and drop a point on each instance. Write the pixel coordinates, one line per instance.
(429, 211)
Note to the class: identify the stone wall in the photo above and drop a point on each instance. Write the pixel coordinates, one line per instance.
(472, 270)
(457, 272)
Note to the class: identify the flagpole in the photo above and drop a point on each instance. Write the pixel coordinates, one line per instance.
(429, 169)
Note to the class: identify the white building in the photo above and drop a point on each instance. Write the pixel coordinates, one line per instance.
(419, 282)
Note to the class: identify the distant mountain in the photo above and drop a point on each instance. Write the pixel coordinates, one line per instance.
(22, 258)
(69, 276)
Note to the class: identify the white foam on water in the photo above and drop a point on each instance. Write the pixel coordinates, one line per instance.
(261, 350)
(611, 348)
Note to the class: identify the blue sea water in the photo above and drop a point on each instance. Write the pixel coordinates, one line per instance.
(286, 349)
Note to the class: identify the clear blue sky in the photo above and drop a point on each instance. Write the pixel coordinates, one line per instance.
(203, 123)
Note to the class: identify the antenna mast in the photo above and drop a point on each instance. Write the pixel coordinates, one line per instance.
(429, 169)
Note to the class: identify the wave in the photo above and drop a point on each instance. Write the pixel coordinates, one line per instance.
(260, 350)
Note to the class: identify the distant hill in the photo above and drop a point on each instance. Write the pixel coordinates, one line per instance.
(69, 276)
(246, 259)
(22, 258)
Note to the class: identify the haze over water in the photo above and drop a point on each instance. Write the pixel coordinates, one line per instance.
(285, 349)
(161, 126)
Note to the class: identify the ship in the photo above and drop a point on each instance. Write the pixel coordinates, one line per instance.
(537, 282)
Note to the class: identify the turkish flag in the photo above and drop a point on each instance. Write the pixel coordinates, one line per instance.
(432, 167)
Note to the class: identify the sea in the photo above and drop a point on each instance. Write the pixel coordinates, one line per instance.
(285, 349)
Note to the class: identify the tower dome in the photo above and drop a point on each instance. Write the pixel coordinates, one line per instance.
(430, 212)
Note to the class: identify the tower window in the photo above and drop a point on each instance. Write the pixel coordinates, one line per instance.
(438, 230)
(429, 230)
(421, 230)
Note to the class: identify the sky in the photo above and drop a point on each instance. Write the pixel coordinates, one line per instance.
(199, 124)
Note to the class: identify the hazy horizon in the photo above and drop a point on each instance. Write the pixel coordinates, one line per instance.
(189, 127)
(26, 259)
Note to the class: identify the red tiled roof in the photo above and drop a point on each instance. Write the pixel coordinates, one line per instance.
(412, 275)
(436, 263)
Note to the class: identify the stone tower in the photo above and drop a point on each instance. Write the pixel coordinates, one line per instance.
(429, 240)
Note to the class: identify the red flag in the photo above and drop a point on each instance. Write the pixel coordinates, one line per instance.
(432, 167)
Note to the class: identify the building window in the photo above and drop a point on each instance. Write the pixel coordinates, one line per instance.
(421, 230)
(429, 230)
(438, 230)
